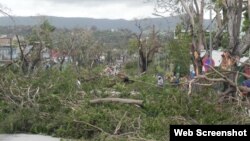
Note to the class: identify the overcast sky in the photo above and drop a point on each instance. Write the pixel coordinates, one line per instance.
(112, 9)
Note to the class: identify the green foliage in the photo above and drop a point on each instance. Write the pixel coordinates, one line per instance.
(131, 67)
(59, 109)
(159, 69)
(47, 27)
(133, 47)
(246, 22)
(42, 34)
(179, 54)
(218, 3)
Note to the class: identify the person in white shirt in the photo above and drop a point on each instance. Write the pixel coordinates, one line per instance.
(160, 81)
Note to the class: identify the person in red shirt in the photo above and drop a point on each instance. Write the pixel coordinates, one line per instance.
(207, 61)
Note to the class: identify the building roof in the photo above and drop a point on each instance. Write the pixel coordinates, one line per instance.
(5, 41)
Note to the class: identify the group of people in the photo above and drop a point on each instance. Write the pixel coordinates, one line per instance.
(230, 63)
(226, 62)
(173, 76)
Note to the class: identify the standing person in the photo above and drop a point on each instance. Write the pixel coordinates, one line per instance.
(207, 61)
(160, 81)
(192, 72)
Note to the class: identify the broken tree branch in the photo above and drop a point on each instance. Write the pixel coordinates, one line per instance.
(119, 124)
(209, 79)
(190, 86)
(119, 100)
(86, 123)
(223, 76)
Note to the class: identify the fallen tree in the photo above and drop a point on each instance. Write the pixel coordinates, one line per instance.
(119, 100)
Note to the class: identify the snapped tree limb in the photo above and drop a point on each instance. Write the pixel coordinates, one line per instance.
(222, 79)
(119, 100)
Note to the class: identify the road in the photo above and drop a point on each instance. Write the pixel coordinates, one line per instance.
(26, 137)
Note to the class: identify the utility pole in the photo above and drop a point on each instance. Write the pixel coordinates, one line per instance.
(248, 6)
(210, 34)
(11, 49)
(139, 56)
(146, 53)
(249, 9)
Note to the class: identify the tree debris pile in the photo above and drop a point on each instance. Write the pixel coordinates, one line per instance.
(50, 102)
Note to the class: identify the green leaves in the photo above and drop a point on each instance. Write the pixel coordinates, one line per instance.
(246, 22)
(42, 34)
(59, 105)
(47, 27)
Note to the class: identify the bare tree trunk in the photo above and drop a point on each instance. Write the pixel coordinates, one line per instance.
(61, 63)
(248, 7)
(143, 62)
(218, 17)
(190, 14)
(24, 61)
(233, 15)
(196, 31)
(219, 29)
(234, 12)
(146, 54)
(200, 27)
(245, 42)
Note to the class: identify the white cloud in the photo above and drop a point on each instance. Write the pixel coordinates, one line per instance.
(112, 9)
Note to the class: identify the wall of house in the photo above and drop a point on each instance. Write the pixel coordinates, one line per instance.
(5, 53)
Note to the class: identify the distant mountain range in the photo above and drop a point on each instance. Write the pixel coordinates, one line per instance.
(102, 24)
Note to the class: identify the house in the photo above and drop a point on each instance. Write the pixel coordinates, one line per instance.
(7, 52)
(5, 41)
(56, 56)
